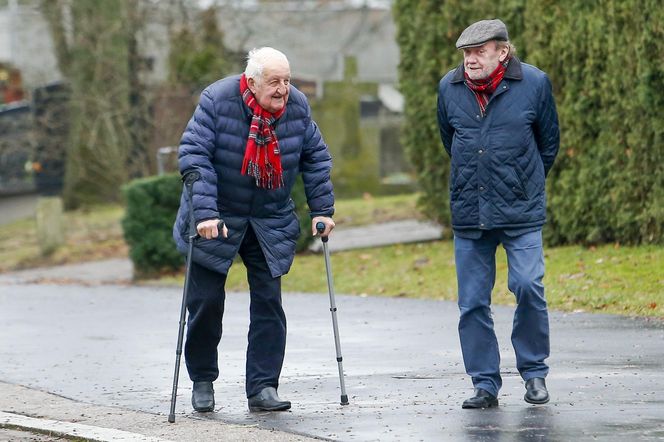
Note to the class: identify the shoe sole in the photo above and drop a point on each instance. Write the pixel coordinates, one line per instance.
(530, 401)
(279, 408)
(472, 407)
(203, 409)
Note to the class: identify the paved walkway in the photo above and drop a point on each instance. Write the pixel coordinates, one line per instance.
(51, 414)
(109, 271)
(383, 234)
(109, 349)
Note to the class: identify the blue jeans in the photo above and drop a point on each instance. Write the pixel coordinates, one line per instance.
(267, 328)
(476, 276)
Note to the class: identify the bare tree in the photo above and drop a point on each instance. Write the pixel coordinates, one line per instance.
(98, 55)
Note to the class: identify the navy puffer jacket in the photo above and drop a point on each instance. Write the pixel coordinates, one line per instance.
(214, 143)
(499, 162)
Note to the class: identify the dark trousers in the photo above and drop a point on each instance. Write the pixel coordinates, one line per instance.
(476, 274)
(267, 329)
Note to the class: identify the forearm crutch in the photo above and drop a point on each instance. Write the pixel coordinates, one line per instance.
(189, 179)
(333, 308)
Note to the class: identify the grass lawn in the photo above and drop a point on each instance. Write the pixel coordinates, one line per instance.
(90, 235)
(609, 279)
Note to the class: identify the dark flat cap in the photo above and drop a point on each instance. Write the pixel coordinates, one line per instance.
(482, 31)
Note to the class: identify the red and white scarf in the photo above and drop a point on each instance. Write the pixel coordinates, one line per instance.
(262, 158)
(485, 87)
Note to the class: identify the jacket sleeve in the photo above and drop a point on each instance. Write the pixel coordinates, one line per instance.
(547, 132)
(446, 129)
(196, 153)
(316, 164)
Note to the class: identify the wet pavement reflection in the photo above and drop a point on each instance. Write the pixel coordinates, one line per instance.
(115, 345)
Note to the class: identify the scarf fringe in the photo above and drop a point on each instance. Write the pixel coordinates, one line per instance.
(265, 177)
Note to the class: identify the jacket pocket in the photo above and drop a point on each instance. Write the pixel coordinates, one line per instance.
(519, 184)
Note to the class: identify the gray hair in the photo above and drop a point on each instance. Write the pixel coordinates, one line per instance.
(506, 44)
(258, 58)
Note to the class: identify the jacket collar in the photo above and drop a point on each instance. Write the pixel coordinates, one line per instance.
(513, 71)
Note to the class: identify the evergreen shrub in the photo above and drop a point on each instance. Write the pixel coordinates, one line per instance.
(152, 204)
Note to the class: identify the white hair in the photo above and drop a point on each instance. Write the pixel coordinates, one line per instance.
(258, 58)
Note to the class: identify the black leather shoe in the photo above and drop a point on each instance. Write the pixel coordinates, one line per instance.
(536, 392)
(202, 396)
(482, 399)
(268, 400)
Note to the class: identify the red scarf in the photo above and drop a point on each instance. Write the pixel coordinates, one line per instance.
(261, 156)
(484, 88)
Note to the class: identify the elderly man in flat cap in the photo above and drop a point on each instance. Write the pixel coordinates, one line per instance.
(499, 125)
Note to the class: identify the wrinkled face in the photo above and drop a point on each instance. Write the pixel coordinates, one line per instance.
(479, 62)
(271, 90)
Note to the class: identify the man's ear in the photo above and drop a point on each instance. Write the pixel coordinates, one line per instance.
(252, 85)
(504, 52)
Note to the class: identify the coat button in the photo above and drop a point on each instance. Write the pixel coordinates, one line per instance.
(481, 188)
(481, 151)
(481, 224)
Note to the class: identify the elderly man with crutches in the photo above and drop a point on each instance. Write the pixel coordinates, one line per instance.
(249, 138)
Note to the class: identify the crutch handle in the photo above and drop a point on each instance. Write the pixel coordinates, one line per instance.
(190, 176)
(220, 227)
(320, 226)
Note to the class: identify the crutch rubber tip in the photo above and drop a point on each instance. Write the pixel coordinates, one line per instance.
(344, 399)
(171, 418)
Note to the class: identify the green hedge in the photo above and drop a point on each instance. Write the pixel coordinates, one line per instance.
(152, 204)
(605, 63)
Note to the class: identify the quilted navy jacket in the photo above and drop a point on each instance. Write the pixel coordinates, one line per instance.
(499, 162)
(214, 143)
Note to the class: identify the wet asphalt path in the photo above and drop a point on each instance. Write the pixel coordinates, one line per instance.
(15, 207)
(115, 345)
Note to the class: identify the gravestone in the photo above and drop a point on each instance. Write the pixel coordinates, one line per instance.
(50, 224)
